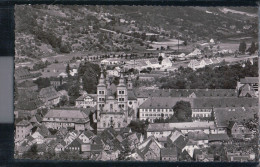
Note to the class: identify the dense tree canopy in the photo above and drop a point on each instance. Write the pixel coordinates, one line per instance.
(222, 77)
(182, 111)
(90, 74)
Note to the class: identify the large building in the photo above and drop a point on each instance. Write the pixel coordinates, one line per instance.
(73, 118)
(112, 104)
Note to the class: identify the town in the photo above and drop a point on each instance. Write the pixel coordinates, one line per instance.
(161, 103)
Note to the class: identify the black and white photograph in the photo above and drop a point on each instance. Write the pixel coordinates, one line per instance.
(136, 83)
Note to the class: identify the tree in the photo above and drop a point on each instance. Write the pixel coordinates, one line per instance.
(252, 49)
(182, 110)
(242, 47)
(160, 58)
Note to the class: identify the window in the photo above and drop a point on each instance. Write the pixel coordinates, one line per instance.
(104, 124)
(119, 124)
(130, 102)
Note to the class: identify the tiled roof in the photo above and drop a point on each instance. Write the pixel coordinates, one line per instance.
(23, 123)
(131, 95)
(218, 137)
(28, 105)
(27, 84)
(66, 113)
(169, 152)
(157, 127)
(197, 135)
(218, 102)
(250, 80)
(185, 92)
(49, 93)
(162, 102)
(238, 114)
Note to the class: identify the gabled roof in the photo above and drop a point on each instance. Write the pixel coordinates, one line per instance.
(250, 80)
(218, 137)
(23, 123)
(27, 84)
(169, 152)
(49, 93)
(238, 114)
(131, 95)
(66, 113)
(157, 127)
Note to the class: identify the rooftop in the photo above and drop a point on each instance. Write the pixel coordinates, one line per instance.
(157, 127)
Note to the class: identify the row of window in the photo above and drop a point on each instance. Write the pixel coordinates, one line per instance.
(85, 102)
(101, 99)
(156, 110)
(201, 115)
(101, 92)
(202, 110)
(165, 115)
(121, 99)
(121, 92)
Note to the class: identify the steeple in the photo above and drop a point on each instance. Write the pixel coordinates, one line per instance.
(101, 79)
(121, 80)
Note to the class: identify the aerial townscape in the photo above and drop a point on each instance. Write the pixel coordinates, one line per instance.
(136, 83)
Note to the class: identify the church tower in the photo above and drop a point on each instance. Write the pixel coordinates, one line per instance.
(101, 94)
(122, 95)
(129, 83)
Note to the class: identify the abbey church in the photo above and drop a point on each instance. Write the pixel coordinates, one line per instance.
(113, 107)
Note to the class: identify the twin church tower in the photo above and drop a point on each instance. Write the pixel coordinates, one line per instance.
(112, 103)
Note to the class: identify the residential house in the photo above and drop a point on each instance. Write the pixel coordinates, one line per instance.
(169, 154)
(22, 129)
(218, 138)
(74, 118)
(22, 74)
(184, 127)
(240, 157)
(252, 81)
(202, 155)
(28, 85)
(86, 101)
(238, 131)
(56, 81)
(49, 95)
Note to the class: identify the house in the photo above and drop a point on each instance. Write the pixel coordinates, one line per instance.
(113, 73)
(28, 85)
(218, 138)
(136, 155)
(169, 154)
(22, 129)
(56, 81)
(238, 131)
(223, 116)
(49, 95)
(196, 52)
(112, 61)
(190, 146)
(252, 81)
(86, 101)
(22, 74)
(40, 133)
(74, 118)
(184, 127)
(201, 138)
(150, 148)
(247, 91)
(202, 155)
(75, 145)
(63, 75)
(240, 157)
